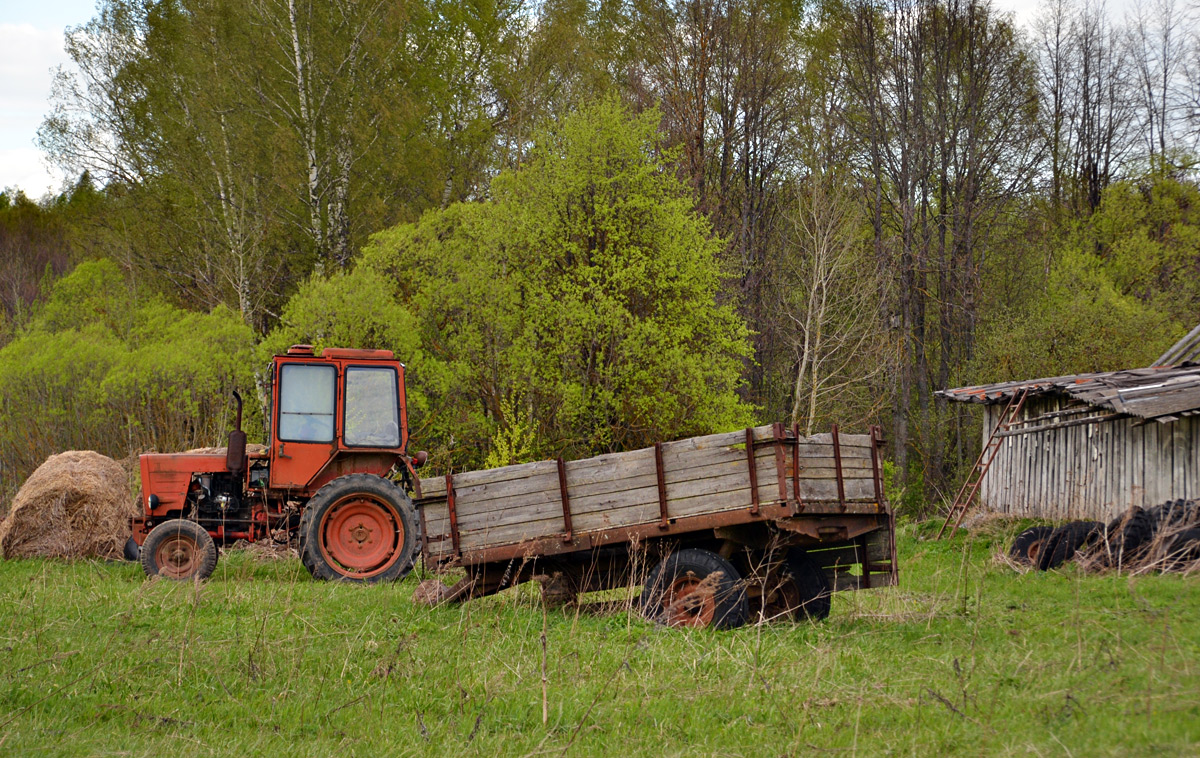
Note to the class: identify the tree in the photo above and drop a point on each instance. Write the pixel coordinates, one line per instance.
(105, 366)
(827, 287)
(581, 298)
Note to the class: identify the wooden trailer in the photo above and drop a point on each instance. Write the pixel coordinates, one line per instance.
(720, 529)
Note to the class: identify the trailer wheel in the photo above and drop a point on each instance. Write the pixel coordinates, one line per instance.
(358, 528)
(1028, 544)
(696, 588)
(179, 549)
(812, 588)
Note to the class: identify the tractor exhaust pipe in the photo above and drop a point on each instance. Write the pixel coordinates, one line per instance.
(235, 455)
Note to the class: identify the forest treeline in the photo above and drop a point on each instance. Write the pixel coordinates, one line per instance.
(589, 225)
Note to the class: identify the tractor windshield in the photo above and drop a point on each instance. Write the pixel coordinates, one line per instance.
(307, 401)
(372, 407)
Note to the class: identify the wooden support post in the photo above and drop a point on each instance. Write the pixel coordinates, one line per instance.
(837, 463)
(753, 470)
(453, 514)
(566, 500)
(664, 520)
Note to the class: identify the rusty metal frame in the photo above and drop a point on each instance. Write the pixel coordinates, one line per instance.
(796, 467)
(660, 478)
(876, 471)
(837, 463)
(777, 435)
(860, 543)
(566, 499)
(453, 514)
(753, 466)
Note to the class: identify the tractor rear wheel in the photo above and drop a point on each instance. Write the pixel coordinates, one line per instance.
(358, 528)
(179, 549)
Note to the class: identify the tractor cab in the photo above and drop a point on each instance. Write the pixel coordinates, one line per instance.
(339, 412)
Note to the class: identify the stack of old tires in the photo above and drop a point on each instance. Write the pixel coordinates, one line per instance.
(1165, 537)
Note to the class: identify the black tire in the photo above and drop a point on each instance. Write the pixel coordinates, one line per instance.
(697, 588)
(1185, 546)
(340, 524)
(1125, 535)
(815, 595)
(179, 549)
(1028, 544)
(132, 552)
(1067, 540)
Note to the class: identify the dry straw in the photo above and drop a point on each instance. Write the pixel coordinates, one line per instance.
(75, 505)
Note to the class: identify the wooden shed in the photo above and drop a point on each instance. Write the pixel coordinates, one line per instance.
(1089, 446)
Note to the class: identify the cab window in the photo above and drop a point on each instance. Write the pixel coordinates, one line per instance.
(372, 407)
(307, 402)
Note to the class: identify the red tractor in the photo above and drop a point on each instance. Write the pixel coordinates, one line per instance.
(337, 432)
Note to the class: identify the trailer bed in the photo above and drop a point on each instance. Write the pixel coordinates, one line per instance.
(826, 489)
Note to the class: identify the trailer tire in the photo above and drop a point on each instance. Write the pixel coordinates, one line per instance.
(1027, 546)
(179, 549)
(358, 528)
(814, 587)
(696, 588)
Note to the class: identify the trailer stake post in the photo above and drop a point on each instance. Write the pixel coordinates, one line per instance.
(796, 468)
(837, 464)
(566, 499)
(753, 470)
(664, 521)
(453, 514)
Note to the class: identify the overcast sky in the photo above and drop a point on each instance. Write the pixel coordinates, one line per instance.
(31, 46)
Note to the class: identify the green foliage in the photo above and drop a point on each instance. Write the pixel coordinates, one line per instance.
(587, 285)
(106, 368)
(515, 437)
(1121, 289)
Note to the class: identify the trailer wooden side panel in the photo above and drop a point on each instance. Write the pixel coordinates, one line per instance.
(700, 476)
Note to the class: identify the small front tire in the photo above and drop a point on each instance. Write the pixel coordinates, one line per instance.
(179, 549)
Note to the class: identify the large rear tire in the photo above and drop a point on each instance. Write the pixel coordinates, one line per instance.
(695, 588)
(179, 549)
(358, 528)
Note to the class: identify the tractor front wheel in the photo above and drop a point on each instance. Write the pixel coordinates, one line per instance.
(179, 549)
(358, 528)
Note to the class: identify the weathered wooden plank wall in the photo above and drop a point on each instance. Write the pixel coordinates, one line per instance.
(703, 475)
(1092, 471)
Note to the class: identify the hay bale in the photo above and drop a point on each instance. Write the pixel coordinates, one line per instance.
(77, 504)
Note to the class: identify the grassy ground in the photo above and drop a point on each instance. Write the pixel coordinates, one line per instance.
(967, 657)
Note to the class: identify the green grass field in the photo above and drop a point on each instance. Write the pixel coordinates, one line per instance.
(966, 657)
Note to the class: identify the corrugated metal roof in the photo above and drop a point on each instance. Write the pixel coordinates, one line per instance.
(1162, 392)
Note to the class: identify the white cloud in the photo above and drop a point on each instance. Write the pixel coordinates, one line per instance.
(28, 56)
(25, 168)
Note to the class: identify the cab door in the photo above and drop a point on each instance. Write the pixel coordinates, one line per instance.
(305, 422)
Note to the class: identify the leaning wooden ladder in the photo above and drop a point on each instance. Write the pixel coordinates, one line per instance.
(966, 495)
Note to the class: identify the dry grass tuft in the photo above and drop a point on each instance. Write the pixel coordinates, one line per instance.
(75, 505)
